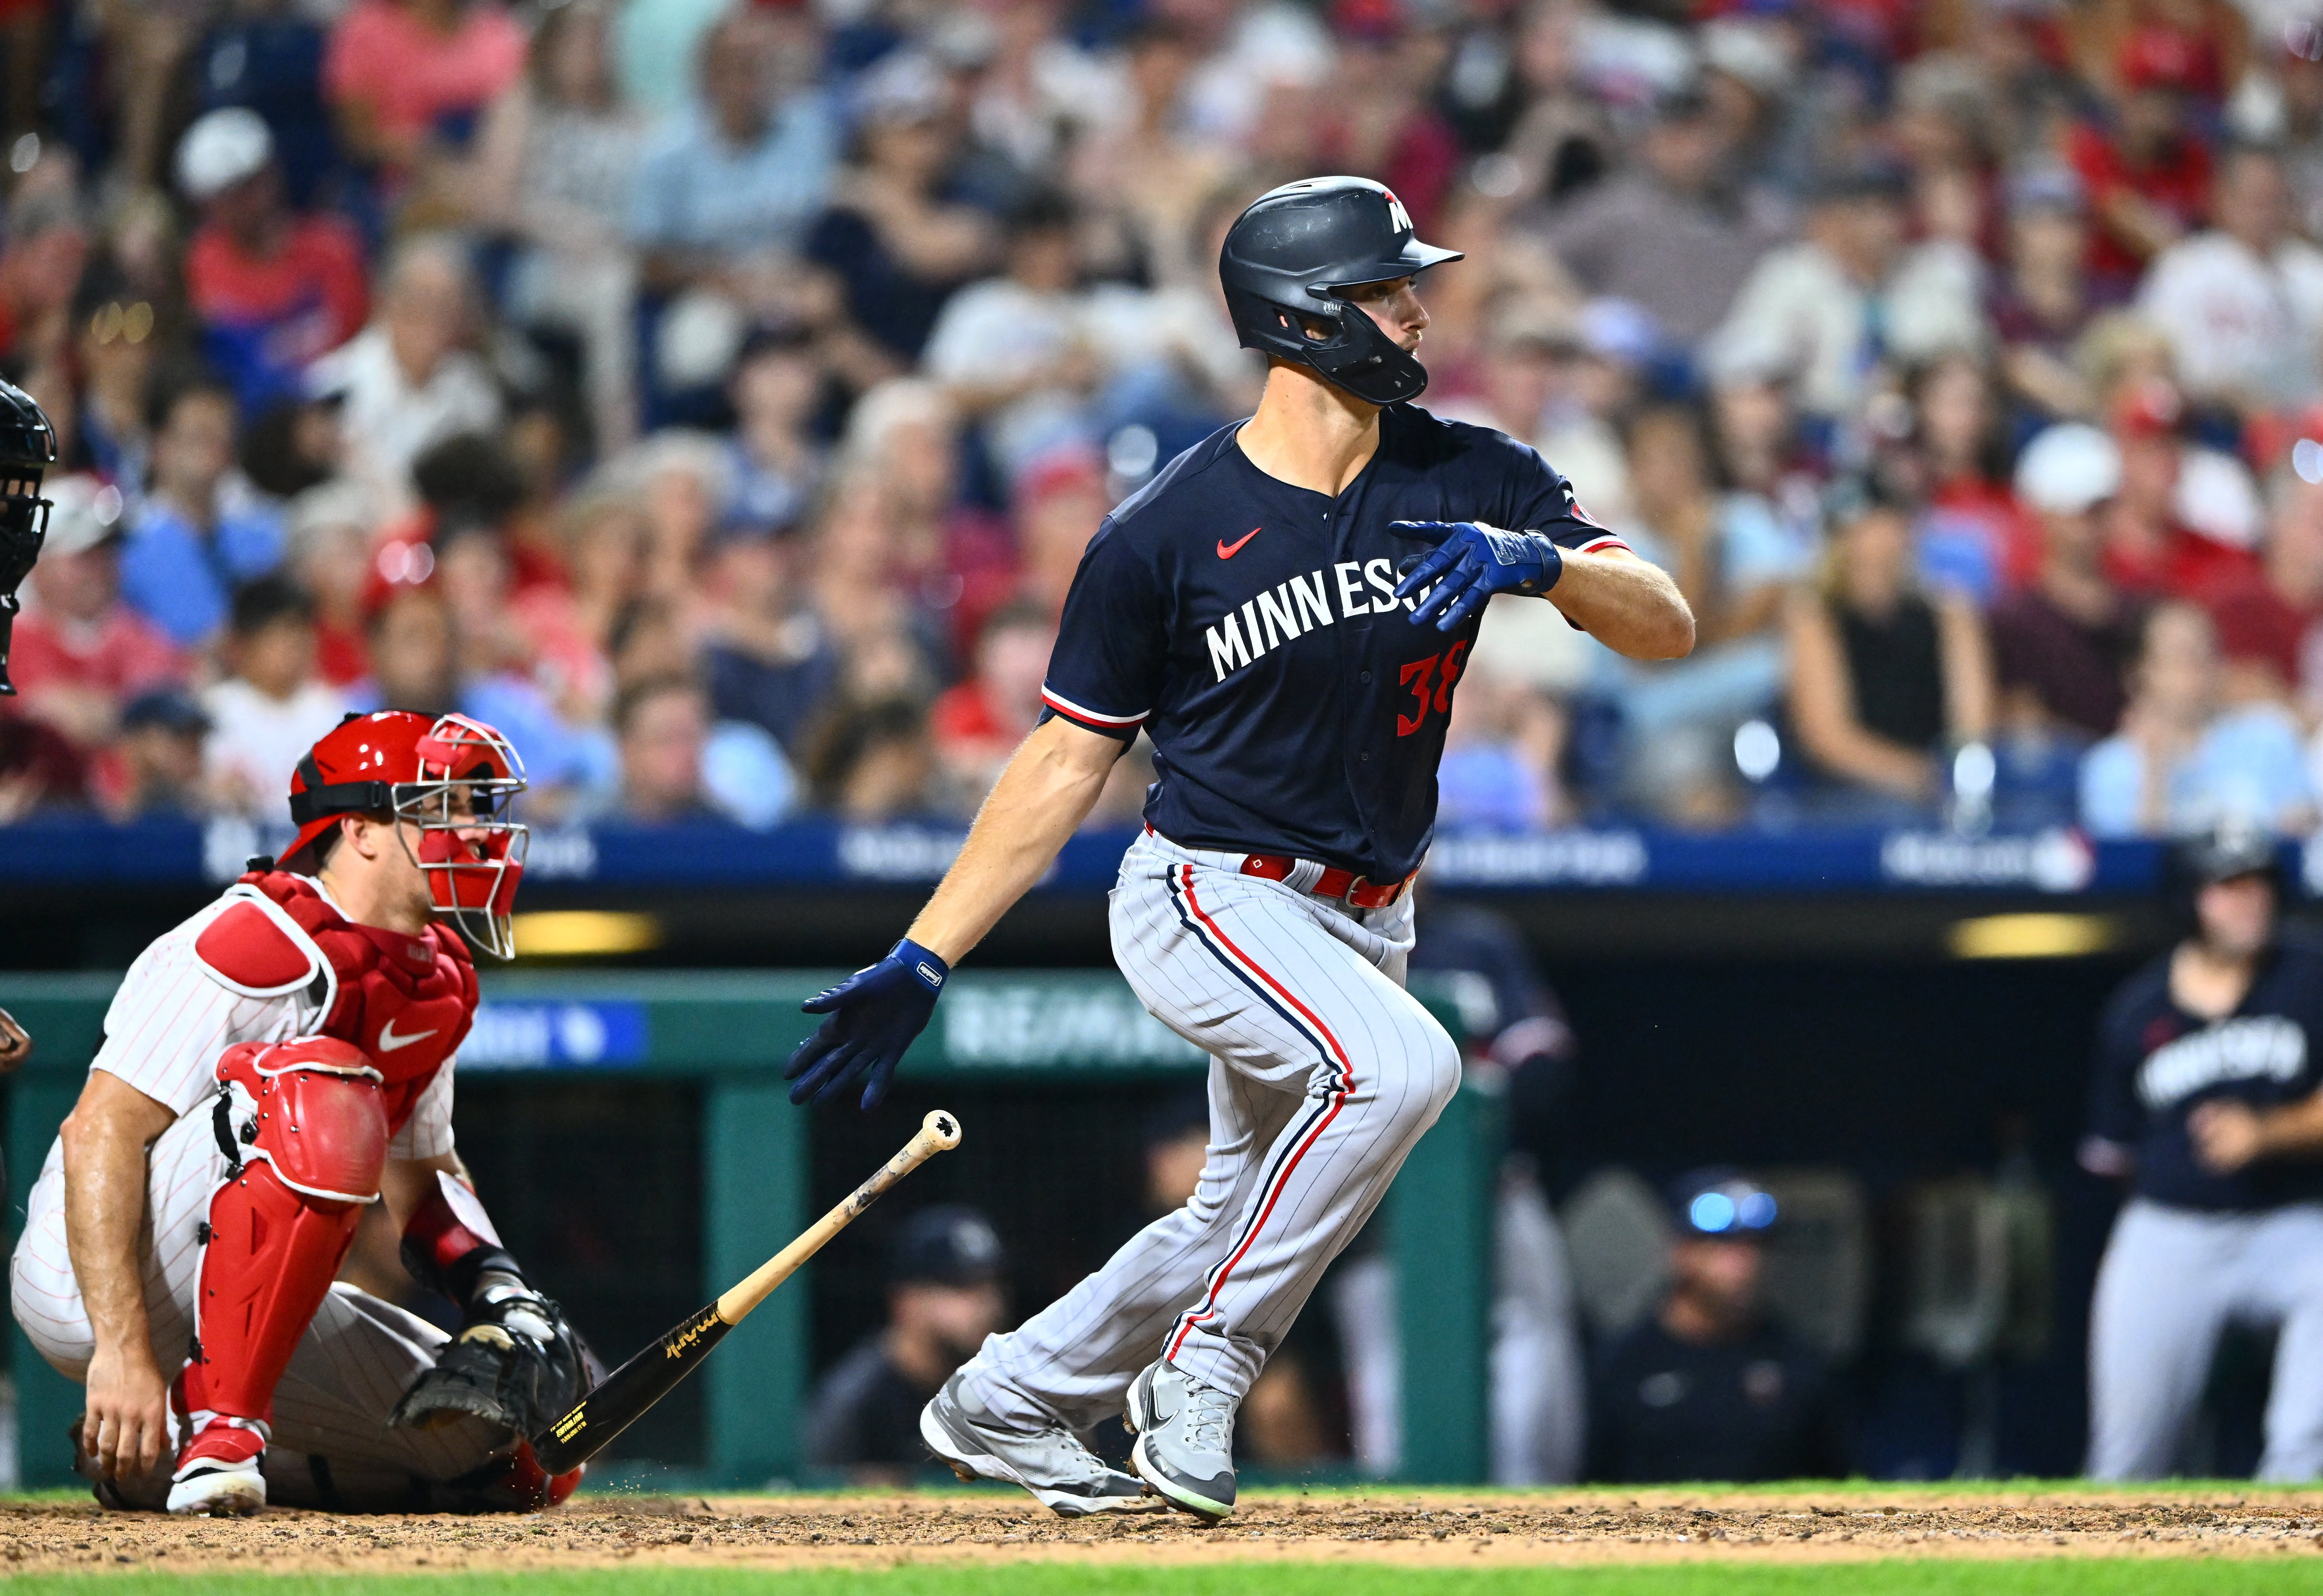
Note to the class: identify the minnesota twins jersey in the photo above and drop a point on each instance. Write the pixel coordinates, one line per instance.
(2155, 1063)
(1248, 625)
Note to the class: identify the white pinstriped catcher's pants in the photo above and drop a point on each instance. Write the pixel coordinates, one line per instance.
(1324, 1072)
(357, 1357)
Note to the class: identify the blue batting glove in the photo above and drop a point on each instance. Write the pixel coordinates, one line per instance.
(874, 1015)
(1472, 561)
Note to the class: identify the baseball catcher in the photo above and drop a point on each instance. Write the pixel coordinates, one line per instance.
(270, 1067)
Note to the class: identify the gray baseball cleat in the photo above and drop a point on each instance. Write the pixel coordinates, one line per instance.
(1185, 1439)
(1065, 1476)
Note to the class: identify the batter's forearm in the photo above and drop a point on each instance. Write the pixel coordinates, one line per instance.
(1041, 800)
(1631, 607)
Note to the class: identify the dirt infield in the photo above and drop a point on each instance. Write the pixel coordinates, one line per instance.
(1434, 1529)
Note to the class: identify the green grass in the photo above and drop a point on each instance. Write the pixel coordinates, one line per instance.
(1929, 1577)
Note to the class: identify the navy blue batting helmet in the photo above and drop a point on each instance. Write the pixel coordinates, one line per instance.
(1289, 257)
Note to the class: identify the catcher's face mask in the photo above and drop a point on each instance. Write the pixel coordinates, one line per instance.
(450, 784)
(471, 847)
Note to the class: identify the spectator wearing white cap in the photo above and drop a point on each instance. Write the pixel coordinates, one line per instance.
(2061, 644)
(273, 289)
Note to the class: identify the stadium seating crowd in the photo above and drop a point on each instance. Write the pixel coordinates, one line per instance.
(717, 398)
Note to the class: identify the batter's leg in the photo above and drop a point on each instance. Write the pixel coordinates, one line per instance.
(2161, 1299)
(1288, 989)
(1072, 1362)
(1291, 999)
(2284, 1265)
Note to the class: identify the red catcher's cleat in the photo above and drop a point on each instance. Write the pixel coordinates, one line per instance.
(219, 1472)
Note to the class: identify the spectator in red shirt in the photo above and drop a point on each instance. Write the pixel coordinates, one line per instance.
(978, 723)
(273, 289)
(1956, 422)
(329, 528)
(2267, 623)
(2148, 550)
(80, 653)
(409, 78)
(2149, 177)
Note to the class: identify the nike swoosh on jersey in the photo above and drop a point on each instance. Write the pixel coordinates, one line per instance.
(1227, 551)
(389, 1042)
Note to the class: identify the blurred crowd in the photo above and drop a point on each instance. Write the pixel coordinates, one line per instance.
(718, 400)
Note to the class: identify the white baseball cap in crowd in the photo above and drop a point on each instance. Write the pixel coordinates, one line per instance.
(223, 148)
(2217, 496)
(2068, 469)
(83, 512)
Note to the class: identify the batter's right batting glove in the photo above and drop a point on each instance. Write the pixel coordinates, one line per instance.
(1471, 563)
(873, 1016)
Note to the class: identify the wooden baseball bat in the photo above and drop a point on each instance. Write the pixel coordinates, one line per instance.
(614, 1403)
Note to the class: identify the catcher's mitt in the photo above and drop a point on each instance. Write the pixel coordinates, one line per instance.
(516, 1364)
(15, 1044)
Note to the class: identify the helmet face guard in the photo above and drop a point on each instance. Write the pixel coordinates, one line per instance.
(1353, 352)
(470, 847)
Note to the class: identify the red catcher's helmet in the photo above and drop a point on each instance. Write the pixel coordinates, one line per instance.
(455, 780)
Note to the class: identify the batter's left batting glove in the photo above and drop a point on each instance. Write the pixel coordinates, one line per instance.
(1472, 561)
(873, 1016)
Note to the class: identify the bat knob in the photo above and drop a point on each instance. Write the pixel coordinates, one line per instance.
(942, 1129)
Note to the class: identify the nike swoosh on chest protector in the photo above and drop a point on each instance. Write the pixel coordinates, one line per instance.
(389, 1042)
(1227, 551)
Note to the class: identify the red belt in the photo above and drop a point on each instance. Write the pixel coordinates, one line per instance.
(1359, 891)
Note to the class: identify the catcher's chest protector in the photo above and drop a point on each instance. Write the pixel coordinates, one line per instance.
(404, 1002)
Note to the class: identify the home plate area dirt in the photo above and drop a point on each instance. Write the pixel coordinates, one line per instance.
(1447, 1529)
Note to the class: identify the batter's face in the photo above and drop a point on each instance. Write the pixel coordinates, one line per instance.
(1394, 306)
(2236, 915)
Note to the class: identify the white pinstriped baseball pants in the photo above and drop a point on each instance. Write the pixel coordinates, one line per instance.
(357, 1357)
(1324, 1072)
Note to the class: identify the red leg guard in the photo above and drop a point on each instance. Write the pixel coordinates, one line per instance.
(306, 1122)
(269, 1259)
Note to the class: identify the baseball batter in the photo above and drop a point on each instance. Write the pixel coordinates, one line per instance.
(269, 1069)
(1260, 612)
(2207, 1099)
